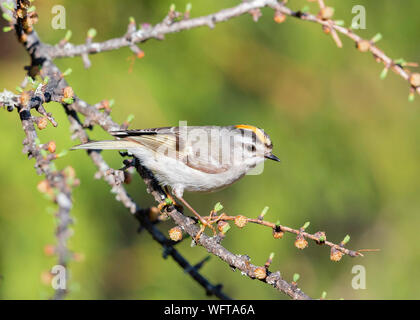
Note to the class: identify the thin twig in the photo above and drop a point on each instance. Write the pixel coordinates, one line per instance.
(159, 30)
(319, 238)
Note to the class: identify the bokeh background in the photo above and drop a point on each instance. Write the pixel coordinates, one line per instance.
(349, 144)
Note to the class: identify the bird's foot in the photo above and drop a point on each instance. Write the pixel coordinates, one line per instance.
(168, 202)
(205, 222)
(208, 222)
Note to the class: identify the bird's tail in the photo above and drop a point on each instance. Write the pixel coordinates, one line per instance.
(108, 145)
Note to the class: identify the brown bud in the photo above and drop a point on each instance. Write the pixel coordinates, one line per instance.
(42, 123)
(76, 183)
(175, 234)
(260, 273)
(279, 17)
(154, 213)
(105, 105)
(70, 172)
(49, 250)
(322, 237)
(68, 92)
(336, 255)
(326, 29)
(34, 18)
(25, 4)
(24, 98)
(301, 242)
(27, 23)
(277, 233)
(363, 45)
(223, 226)
(241, 221)
(23, 37)
(20, 13)
(415, 79)
(140, 54)
(51, 146)
(43, 186)
(46, 277)
(326, 13)
(78, 257)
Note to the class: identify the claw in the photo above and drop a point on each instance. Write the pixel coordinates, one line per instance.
(161, 206)
(165, 204)
(169, 201)
(205, 223)
(199, 233)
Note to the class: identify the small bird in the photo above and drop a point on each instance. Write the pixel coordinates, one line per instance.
(193, 158)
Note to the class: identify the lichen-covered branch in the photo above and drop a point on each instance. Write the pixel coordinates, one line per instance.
(320, 238)
(57, 185)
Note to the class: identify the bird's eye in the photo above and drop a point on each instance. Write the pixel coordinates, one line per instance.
(251, 148)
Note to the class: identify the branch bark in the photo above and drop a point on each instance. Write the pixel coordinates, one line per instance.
(169, 26)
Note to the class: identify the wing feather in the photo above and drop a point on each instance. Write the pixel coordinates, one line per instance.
(107, 145)
(170, 142)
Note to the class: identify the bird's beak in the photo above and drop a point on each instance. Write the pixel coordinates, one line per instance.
(272, 157)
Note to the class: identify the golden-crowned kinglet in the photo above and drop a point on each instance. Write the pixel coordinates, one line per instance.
(193, 158)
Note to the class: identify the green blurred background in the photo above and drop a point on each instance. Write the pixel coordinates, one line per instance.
(349, 144)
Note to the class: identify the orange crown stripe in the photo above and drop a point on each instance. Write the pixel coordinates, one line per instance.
(256, 130)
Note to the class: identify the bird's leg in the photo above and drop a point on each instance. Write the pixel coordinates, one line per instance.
(204, 222)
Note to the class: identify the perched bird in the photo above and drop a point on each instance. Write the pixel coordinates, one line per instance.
(193, 158)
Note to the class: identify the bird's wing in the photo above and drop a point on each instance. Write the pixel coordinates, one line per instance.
(163, 140)
(171, 142)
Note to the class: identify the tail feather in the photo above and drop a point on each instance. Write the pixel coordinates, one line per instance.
(107, 145)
